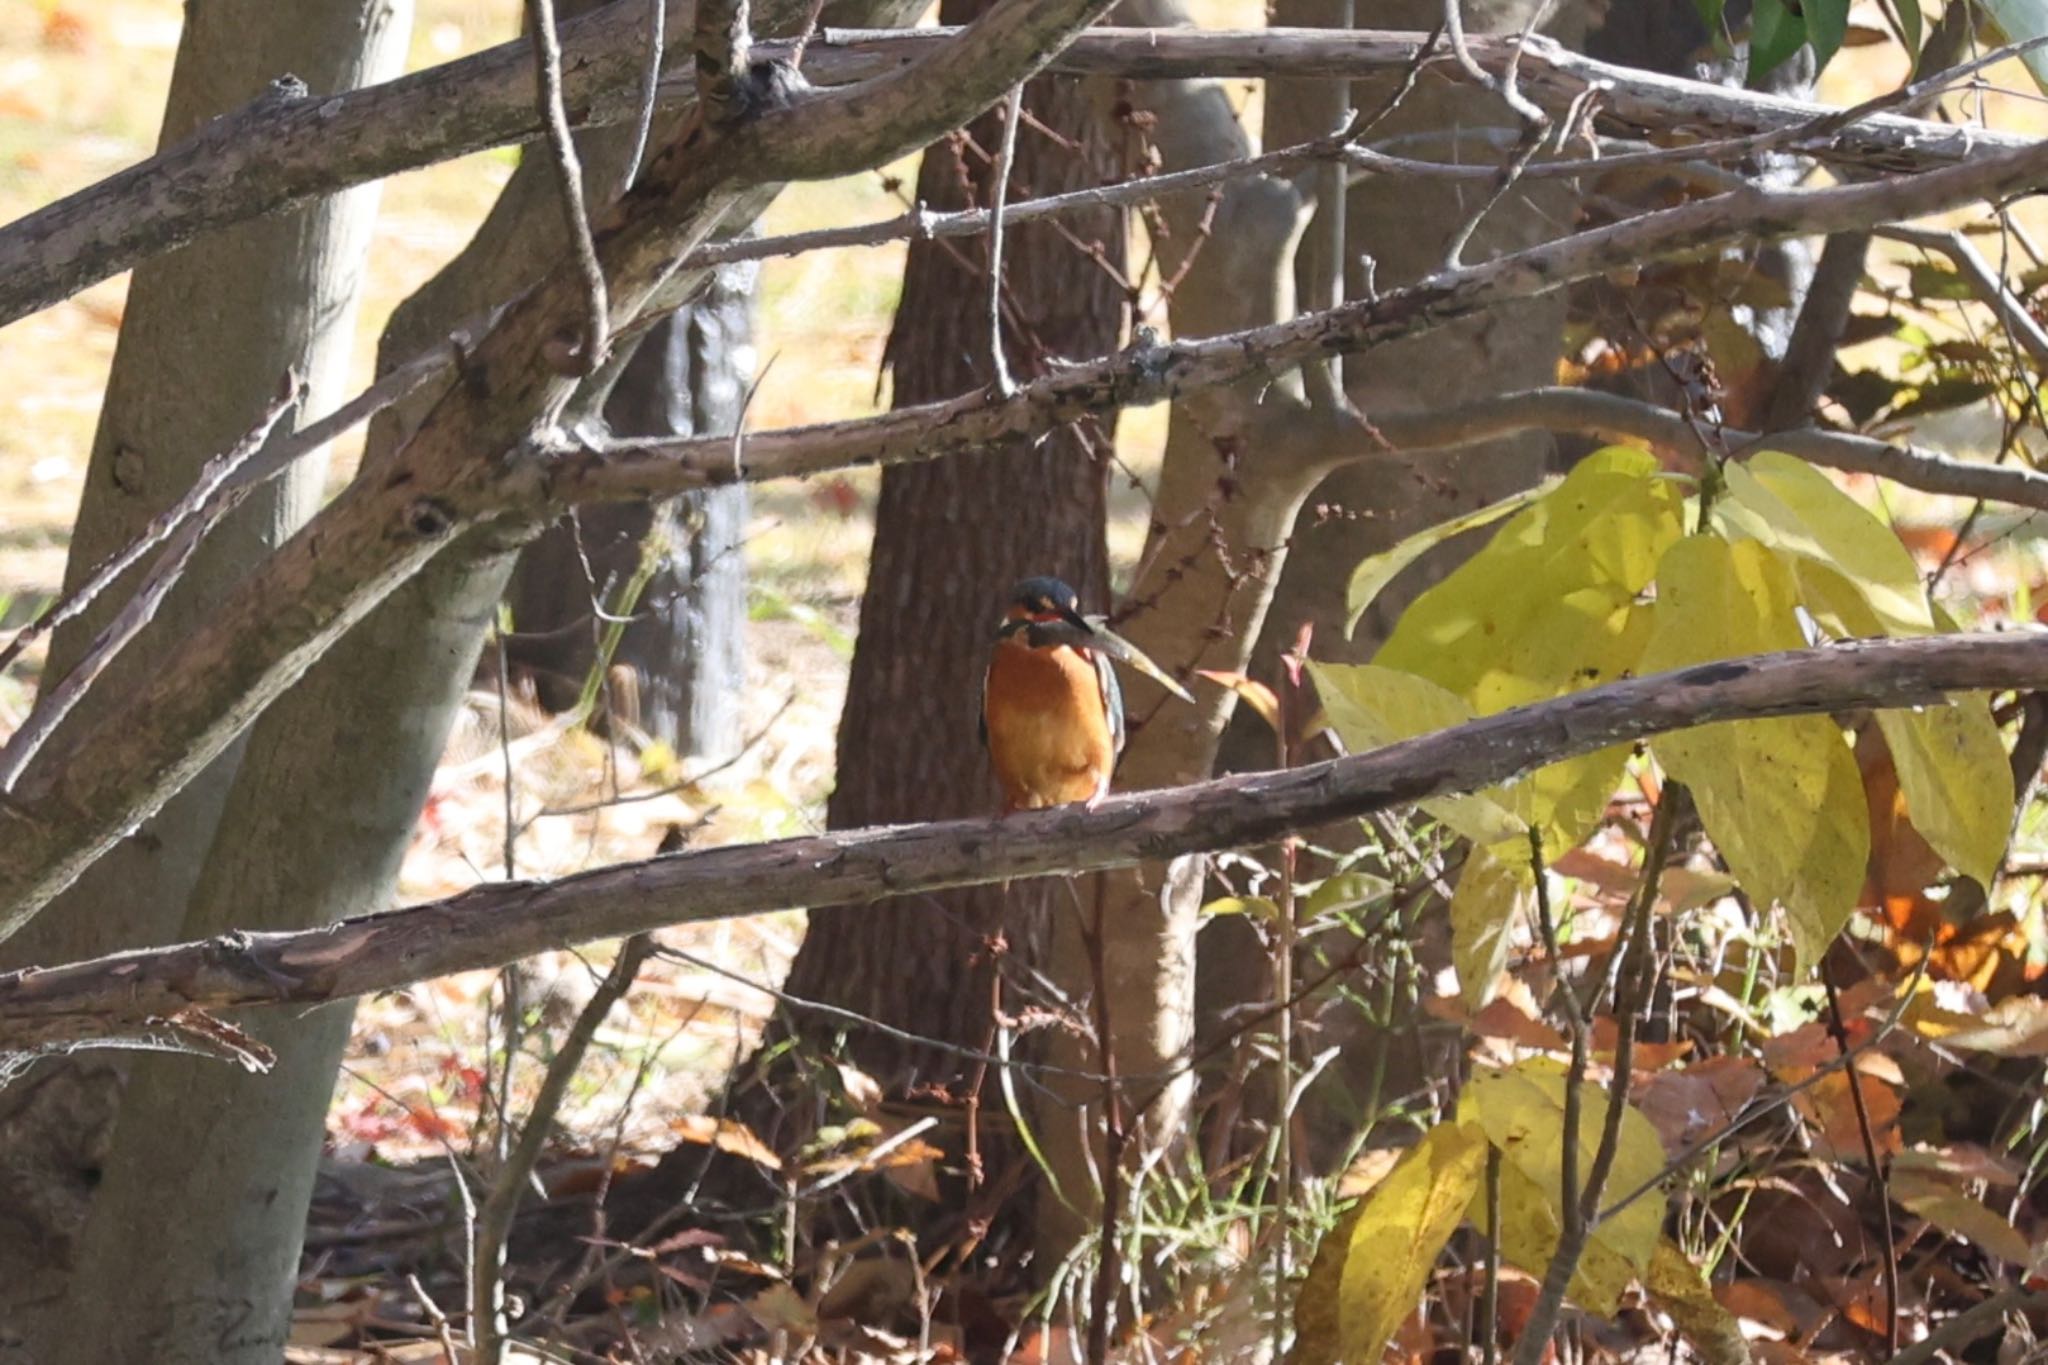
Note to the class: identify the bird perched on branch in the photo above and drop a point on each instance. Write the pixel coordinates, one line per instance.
(1052, 715)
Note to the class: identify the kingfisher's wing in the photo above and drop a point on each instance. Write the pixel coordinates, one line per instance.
(1112, 696)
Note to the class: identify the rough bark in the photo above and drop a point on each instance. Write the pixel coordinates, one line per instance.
(684, 646)
(246, 305)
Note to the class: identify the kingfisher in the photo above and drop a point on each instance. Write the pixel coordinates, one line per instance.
(1052, 715)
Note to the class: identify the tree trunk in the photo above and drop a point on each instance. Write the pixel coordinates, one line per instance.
(246, 305)
(685, 645)
(951, 538)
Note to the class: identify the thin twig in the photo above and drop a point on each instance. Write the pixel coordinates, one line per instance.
(1581, 1208)
(1889, 1266)
(650, 94)
(508, 1185)
(214, 497)
(547, 62)
(218, 473)
(1489, 1298)
(1006, 156)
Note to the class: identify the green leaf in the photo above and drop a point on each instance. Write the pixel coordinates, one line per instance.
(1827, 24)
(1371, 707)
(1394, 1244)
(1782, 798)
(1800, 510)
(1343, 891)
(1521, 1111)
(1775, 33)
(1374, 572)
(2016, 21)
(1483, 911)
(1956, 781)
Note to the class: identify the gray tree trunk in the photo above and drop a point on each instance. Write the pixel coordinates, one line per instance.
(208, 334)
(685, 647)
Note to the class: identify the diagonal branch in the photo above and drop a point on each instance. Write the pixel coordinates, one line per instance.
(288, 147)
(506, 921)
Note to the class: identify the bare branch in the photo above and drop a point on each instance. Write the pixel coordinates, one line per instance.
(721, 50)
(287, 147)
(184, 525)
(1615, 418)
(503, 922)
(1006, 156)
(568, 168)
(218, 472)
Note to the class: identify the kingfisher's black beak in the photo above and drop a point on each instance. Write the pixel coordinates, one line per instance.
(1072, 616)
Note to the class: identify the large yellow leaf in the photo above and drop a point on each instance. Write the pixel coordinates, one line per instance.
(1782, 798)
(1372, 707)
(1374, 572)
(1377, 1259)
(1606, 524)
(1587, 637)
(1957, 782)
(1482, 913)
(1521, 1111)
(1798, 509)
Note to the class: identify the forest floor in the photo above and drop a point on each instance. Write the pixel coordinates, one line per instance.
(81, 89)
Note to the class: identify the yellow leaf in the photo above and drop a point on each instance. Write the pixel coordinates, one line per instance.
(1482, 912)
(1371, 707)
(1782, 798)
(1957, 783)
(1956, 1213)
(1521, 1110)
(1259, 907)
(1682, 1291)
(1605, 525)
(1375, 1262)
(1588, 637)
(1798, 509)
(1374, 572)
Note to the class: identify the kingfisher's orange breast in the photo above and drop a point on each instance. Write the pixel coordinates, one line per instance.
(1049, 735)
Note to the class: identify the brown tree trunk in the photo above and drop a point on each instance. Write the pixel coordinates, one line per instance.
(951, 538)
